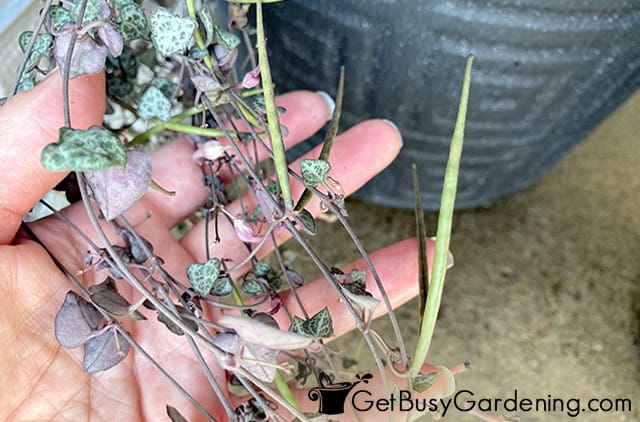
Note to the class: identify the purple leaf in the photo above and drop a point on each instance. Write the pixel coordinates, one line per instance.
(266, 204)
(137, 247)
(175, 415)
(105, 351)
(106, 296)
(251, 79)
(88, 57)
(115, 190)
(245, 231)
(294, 277)
(112, 39)
(76, 321)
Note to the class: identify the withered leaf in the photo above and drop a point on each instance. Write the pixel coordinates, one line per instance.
(173, 327)
(174, 415)
(76, 321)
(257, 332)
(106, 296)
(105, 351)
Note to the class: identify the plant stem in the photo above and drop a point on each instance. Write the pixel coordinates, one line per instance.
(191, 8)
(443, 234)
(328, 139)
(277, 145)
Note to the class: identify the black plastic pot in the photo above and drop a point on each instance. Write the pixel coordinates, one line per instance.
(546, 73)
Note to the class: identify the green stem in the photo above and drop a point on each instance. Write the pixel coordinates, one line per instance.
(443, 234)
(191, 8)
(277, 145)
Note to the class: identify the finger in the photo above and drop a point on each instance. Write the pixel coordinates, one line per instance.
(397, 267)
(357, 155)
(174, 168)
(30, 121)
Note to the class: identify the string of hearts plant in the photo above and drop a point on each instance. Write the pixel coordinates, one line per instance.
(174, 71)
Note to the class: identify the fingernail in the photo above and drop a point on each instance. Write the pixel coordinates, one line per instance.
(331, 105)
(393, 125)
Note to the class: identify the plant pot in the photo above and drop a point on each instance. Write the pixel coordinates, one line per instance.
(546, 73)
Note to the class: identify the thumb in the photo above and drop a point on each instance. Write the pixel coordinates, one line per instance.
(30, 121)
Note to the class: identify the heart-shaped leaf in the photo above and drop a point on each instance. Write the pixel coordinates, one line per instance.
(87, 58)
(251, 286)
(94, 10)
(41, 47)
(106, 296)
(359, 277)
(170, 34)
(296, 325)
(165, 86)
(105, 351)
(60, 16)
(257, 332)
(207, 24)
(314, 171)
(319, 325)
(154, 104)
(133, 22)
(226, 39)
(115, 190)
(84, 150)
(423, 381)
(76, 321)
(203, 276)
(222, 287)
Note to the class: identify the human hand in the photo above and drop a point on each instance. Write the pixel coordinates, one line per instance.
(45, 381)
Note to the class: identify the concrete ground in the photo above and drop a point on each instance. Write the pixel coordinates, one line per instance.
(544, 297)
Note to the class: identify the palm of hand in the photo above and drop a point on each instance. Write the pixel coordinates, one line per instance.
(46, 380)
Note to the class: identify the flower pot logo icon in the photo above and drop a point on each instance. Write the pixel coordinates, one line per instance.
(331, 397)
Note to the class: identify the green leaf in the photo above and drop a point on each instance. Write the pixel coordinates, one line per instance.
(296, 325)
(319, 325)
(203, 276)
(422, 382)
(251, 286)
(154, 104)
(133, 22)
(262, 269)
(207, 24)
(226, 39)
(60, 16)
(91, 11)
(314, 171)
(84, 150)
(307, 221)
(41, 48)
(222, 287)
(359, 278)
(170, 34)
(118, 87)
(166, 86)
